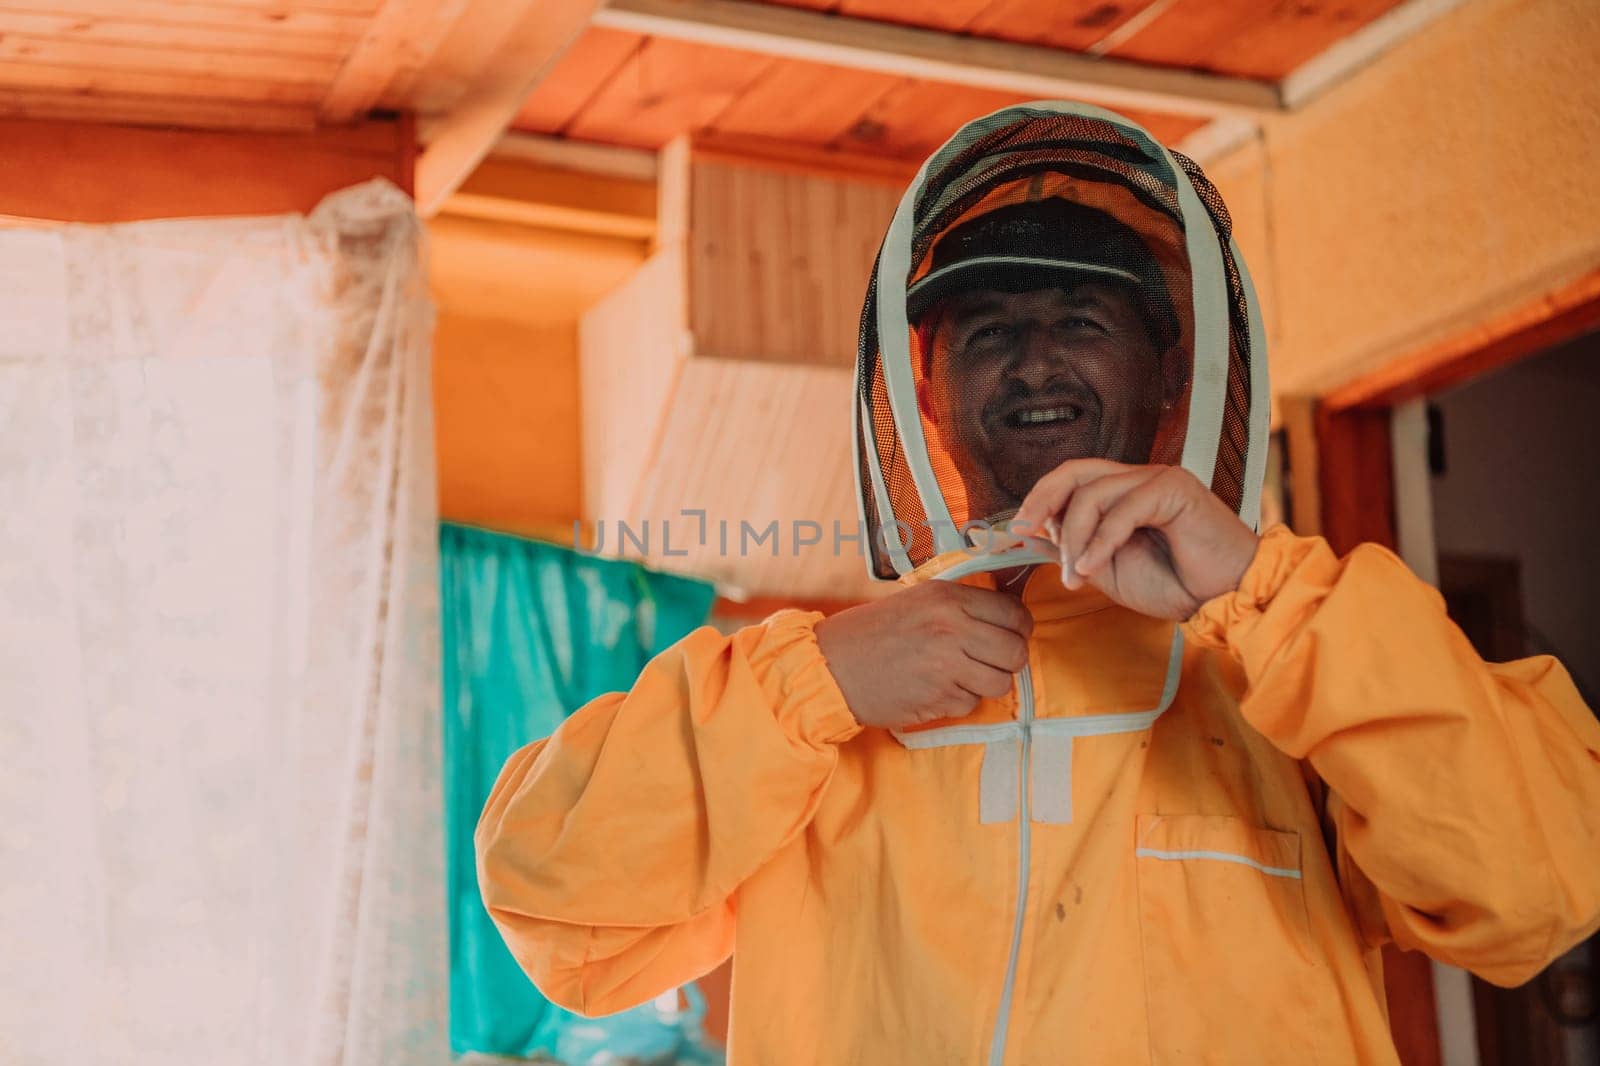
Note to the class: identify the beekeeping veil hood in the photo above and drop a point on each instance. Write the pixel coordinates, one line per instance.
(1052, 195)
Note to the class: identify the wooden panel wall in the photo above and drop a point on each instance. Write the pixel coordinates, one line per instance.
(779, 261)
(719, 377)
(87, 172)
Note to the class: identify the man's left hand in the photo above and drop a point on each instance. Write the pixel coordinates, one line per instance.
(1152, 538)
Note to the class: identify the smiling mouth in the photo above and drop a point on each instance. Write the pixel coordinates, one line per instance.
(1030, 417)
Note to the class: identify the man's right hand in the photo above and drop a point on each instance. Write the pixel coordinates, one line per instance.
(925, 653)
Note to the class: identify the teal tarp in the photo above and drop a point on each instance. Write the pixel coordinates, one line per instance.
(531, 633)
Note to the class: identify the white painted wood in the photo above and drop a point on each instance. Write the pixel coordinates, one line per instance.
(932, 55)
(1418, 546)
(1458, 1026)
(1413, 492)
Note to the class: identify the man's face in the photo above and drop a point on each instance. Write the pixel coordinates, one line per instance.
(1019, 383)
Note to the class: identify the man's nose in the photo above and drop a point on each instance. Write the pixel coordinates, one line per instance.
(1038, 358)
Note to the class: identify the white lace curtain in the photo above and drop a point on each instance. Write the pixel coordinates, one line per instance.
(220, 802)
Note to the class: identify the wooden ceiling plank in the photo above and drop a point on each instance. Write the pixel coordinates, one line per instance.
(398, 43)
(804, 102)
(22, 50)
(577, 77)
(932, 55)
(483, 28)
(1247, 38)
(668, 87)
(344, 26)
(1076, 25)
(89, 81)
(506, 75)
(256, 38)
(346, 7)
(916, 117)
(1277, 47)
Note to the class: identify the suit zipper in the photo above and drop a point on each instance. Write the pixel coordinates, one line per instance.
(997, 1052)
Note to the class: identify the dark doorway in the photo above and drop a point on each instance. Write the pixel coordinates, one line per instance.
(1516, 458)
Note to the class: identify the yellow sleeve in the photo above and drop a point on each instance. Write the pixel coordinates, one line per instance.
(609, 855)
(1465, 795)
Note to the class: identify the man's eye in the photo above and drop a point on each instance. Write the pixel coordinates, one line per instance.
(989, 333)
(1077, 322)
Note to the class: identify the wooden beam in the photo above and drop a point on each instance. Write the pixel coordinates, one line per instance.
(75, 171)
(508, 73)
(397, 44)
(1218, 137)
(1300, 441)
(1356, 485)
(549, 216)
(804, 159)
(607, 160)
(932, 55)
(1542, 323)
(133, 109)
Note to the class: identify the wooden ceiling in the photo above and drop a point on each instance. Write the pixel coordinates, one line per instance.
(629, 89)
(1260, 39)
(238, 65)
(828, 74)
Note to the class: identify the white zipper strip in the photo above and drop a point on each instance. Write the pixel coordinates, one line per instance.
(1002, 1024)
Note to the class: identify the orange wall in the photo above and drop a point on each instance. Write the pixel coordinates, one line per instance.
(506, 403)
(1450, 181)
(86, 172)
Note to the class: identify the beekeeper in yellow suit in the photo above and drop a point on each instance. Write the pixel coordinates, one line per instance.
(1112, 779)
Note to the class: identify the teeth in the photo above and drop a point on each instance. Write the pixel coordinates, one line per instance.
(1051, 414)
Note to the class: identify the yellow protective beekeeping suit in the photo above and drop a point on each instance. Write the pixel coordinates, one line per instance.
(1168, 844)
(1180, 902)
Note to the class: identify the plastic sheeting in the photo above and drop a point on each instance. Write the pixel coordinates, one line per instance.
(220, 817)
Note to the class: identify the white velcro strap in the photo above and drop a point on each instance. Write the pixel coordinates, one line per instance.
(1000, 782)
(1050, 780)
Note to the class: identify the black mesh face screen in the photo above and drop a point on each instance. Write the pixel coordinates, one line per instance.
(1049, 316)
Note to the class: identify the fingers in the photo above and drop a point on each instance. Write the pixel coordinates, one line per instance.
(982, 681)
(1002, 649)
(1155, 503)
(1041, 509)
(996, 608)
(1085, 509)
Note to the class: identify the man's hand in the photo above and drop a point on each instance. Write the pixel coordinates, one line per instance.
(1153, 538)
(925, 653)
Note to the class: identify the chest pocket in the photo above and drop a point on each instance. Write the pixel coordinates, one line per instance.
(1230, 972)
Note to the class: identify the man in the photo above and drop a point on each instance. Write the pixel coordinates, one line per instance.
(1156, 794)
